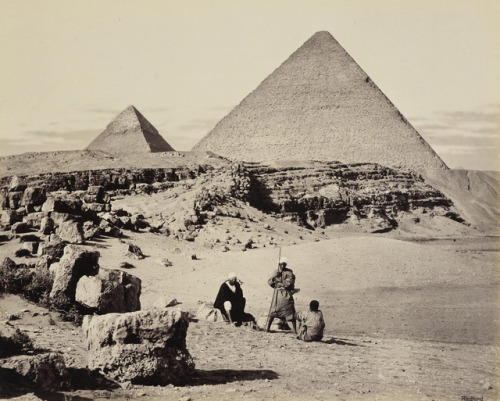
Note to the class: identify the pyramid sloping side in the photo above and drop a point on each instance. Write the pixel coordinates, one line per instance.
(130, 132)
(320, 105)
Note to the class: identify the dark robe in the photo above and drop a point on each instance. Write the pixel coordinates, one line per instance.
(237, 300)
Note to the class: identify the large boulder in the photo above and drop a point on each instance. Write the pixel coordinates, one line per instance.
(143, 347)
(61, 203)
(15, 198)
(71, 231)
(77, 261)
(33, 196)
(54, 248)
(46, 371)
(17, 183)
(206, 311)
(20, 228)
(95, 194)
(34, 220)
(13, 341)
(46, 225)
(10, 216)
(110, 291)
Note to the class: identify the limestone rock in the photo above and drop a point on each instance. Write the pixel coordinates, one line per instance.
(71, 231)
(46, 225)
(17, 184)
(53, 249)
(143, 347)
(62, 204)
(135, 251)
(10, 217)
(109, 229)
(90, 230)
(33, 196)
(165, 302)
(47, 371)
(31, 246)
(95, 194)
(13, 341)
(14, 199)
(43, 264)
(76, 262)
(110, 291)
(19, 228)
(34, 220)
(206, 311)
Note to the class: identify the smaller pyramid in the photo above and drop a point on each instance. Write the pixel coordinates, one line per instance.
(130, 132)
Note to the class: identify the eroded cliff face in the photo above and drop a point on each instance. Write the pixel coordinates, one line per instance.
(321, 194)
(312, 194)
(110, 179)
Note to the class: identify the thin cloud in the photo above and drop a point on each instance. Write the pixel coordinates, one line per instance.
(470, 116)
(198, 124)
(34, 139)
(430, 127)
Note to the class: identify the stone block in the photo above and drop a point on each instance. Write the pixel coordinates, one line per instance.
(33, 196)
(110, 291)
(20, 228)
(71, 231)
(47, 371)
(76, 262)
(143, 347)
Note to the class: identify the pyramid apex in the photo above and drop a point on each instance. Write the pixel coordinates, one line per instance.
(131, 108)
(323, 34)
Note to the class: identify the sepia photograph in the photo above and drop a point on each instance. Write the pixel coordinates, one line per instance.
(249, 200)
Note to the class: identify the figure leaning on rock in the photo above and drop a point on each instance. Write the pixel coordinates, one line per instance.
(230, 301)
(282, 305)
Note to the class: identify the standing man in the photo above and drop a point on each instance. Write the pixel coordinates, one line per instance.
(282, 306)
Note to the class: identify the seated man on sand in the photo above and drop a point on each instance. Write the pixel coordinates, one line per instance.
(230, 301)
(311, 323)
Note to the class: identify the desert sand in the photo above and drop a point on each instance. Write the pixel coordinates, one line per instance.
(408, 315)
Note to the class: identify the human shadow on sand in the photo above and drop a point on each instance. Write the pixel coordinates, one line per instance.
(223, 376)
(339, 341)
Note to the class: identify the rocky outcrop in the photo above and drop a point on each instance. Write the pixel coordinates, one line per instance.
(13, 341)
(321, 194)
(76, 262)
(110, 291)
(310, 193)
(46, 371)
(109, 179)
(144, 347)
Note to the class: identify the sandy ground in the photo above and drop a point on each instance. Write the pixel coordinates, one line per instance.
(406, 319)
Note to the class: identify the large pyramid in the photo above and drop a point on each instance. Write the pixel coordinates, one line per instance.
(130, 132)
(320, 105)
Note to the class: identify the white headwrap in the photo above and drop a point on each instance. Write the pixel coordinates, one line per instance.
(283, 259)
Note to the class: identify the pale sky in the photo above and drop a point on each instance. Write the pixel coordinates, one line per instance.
(67, 68)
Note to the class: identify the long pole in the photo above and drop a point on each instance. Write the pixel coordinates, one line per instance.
(274, 295)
